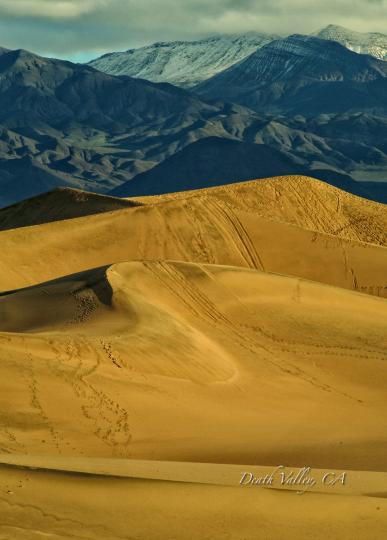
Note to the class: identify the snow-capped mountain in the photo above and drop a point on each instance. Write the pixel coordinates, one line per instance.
(304, 75)
(65, 124)
(188, 63)
(364, 43)
(183, 63)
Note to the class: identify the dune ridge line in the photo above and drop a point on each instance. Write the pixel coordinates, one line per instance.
(357, 482)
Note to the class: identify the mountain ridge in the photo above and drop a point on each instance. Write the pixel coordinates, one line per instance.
(69, 124)
(294, 75)
(183, 63)
(372, 43)
(64, 124)
(214, 161)
(187, 63)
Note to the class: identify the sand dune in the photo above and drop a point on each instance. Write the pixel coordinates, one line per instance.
(264, 224)
(67, 506)
(363, 483)
(61, 203)
(195, 362)
(299, 200)
(149, 354)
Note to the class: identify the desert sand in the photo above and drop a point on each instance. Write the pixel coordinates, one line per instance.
(36, 505)
(290, 225)
(58, 204)
(150, 354)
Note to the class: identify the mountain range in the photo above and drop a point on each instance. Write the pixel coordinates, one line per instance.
(302, 75)
(305, 106)
(187, 63)
(214, 161)
(183, 63)
(63, 124)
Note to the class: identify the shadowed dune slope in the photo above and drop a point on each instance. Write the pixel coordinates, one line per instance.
(193, 362)
(56, 205)
(290, 225)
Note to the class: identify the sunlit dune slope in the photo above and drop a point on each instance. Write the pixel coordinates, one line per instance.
(298, 200)
(61, 203)
(293, 225)
(65, 506)
(201, 330)
(195, 362)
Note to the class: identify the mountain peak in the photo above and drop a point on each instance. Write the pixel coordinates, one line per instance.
(372, 43)
(18, 58)
(334, 27)
(295, 72)
(306, 43)
(295, 48)
(183, 63)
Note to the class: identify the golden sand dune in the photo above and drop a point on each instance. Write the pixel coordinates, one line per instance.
(328, 481)
(61, 203)
(298, 200)
(203, 501)
(190, 336)
(262, 224)
(195, 362)
(35, 505)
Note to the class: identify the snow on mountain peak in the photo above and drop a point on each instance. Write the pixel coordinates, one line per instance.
(183, 63)
(188, 63)
(372, 43)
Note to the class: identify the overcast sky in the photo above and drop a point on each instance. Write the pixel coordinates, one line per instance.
(82, 29)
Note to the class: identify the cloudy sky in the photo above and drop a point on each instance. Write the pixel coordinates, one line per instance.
(83, 29)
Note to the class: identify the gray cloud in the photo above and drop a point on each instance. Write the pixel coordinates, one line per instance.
(71, 27)
(53, 9)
